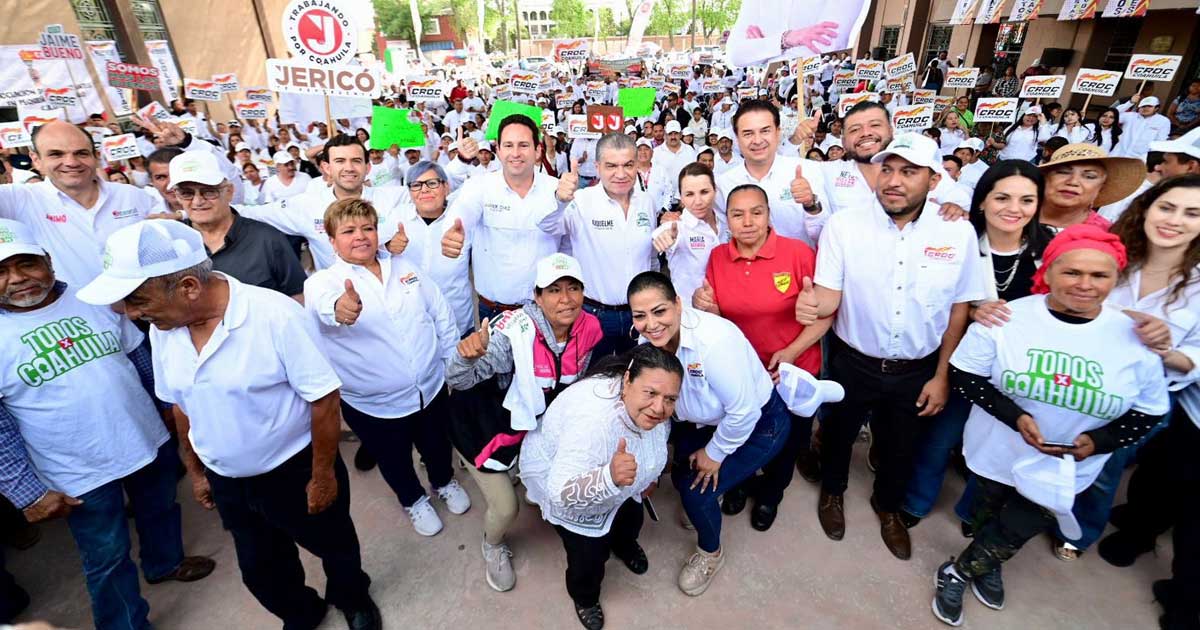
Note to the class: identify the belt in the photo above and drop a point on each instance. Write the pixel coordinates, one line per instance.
(497, 306)
(604, 307)
(886, 366)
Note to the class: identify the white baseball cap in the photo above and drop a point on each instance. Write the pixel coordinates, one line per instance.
(198, 167)
(915, 148)
(1188, 143)
(1033, 111)
(630, 129)
(138, 252)
(672, 127)
(281, 157)
(1149, 101)
(644, 142)
(486, 146)
(241, 146)
(804, 393)
(556, 129)
(975, 144)
(16, 238)
(724, 133)
(1049, 481)
(555, 266)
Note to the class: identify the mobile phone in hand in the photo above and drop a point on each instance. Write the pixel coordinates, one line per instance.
(1066, 445)
(650, 511)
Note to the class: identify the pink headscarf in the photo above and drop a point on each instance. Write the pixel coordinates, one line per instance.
(1081, 236)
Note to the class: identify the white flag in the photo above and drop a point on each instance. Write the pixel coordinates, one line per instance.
(641, 18)
(416, 20)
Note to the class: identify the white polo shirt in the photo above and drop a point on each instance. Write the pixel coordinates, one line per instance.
(506, 242)
(304, 216)
(724, 382)
(392, 359)
(671, 162)
(720, 166)
(65, 377)
(73, 235)
(898, 286)
(452, 276)
(275, 189)
(688, 257)
(612, 245)
(249, 391)
(787, 217)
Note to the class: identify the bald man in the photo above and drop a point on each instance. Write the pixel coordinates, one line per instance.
(73, 211)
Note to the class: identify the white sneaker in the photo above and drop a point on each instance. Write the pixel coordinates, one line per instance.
(424, 518)
(457, 500)
(496, 559)
(699, 570)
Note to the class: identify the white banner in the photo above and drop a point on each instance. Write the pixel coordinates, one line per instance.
(1045, 86)
(900, 66)
(996, 110)
(101, 53)
(1096, 82)
(424, 89)
(25, 75)
(964, 11)
(1126, 8)
(989, 11)
(122, 147)
(774, 30)
(1077, 10)
(637, 28)
(958, 78)
(913, 117)
(1025, 10)
(1152, 67)
(305, 108)
(168, 72)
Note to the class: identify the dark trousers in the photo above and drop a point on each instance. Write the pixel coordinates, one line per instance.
(1164, 491)
(615, 324)
(768, 488)
(268, 516)
(1004, 522)
(390, 441)
(586, 555)
(891, 402)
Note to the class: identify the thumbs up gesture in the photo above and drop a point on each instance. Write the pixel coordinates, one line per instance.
(468, 148)
(568, 184)
(399, 242)
(623, 466)
(348, 307)
(476, 344)
(705, 299)
(453, 240)
(807, 307)
(666, 236)
(801, 192)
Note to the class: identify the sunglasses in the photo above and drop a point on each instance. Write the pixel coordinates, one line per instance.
(188, 194)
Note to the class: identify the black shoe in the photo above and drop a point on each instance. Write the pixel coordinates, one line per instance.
(363, 460)
(591, 617)
(1162, 592)
(13, 601)
(1179, 619)
(1119, 516)
(968, 530)
(365, 618)
(635, 559)
(1122, 549)
(763, 516)
(733, 502)
(948, 602)
(989, 589)
(809, 466)
(910, 520)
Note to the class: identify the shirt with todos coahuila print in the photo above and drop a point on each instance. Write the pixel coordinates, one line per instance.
(83, 413)
(1071, 378)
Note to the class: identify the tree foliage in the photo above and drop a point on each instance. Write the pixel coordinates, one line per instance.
(716, 16)
(571, 19)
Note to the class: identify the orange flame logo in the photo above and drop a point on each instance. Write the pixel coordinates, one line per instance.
(912, 111)
(119, 141)
(224, 78)
(996, 105)
(959, 72)
(1105, 76)
(5, 131)
(28, 55)
(577, 44)
(58, 91)
(1152, 63)
(524, 77)
(425, 84)
(1041, 81)
(194, 85)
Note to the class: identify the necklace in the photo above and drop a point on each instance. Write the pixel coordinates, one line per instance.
(1010, 273)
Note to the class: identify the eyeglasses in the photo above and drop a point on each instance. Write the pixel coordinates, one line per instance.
(429, 184)
(188, 193)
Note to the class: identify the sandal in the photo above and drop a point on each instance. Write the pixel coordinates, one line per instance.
(591, 617)
(191, 569)
(635, 559)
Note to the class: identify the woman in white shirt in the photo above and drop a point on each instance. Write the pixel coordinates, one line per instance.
(688, 241)
(1072, 127)
(1064, 383)
(388, 332)
(952, 132)
(732, 422)
(1107, 130)
(597, 452)
(1020, 140)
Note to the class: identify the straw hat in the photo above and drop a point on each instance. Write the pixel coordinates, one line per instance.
(1124, 174)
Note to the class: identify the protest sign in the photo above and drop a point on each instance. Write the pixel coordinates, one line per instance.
(1045, 86)
(912, 117)
(13, 136)
(525, 82)
(132, 77)
(900, 84)
(711, 85)
(122, 147)
(61, 97)
(940, 103)
(957, 78)
(329, 80)
(504, 109)
(227, 83)
(808, 65)
(996, 110)
(844, 80)
(424, 89)
(321, 33)
(680, 72)
(1152, 67)
(260, 95)
(393, 126)
(924, 96)
(850, 100)
(154, 111)
(1096, 82)
(900, 66)
(867, 70)
(1126, 8)
(250, 110)
(604, 119)
(636, 102)
(571, 49)
(201, 90)
(577, 127)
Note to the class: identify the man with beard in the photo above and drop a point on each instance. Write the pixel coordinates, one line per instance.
(851, 183)
(900, 313)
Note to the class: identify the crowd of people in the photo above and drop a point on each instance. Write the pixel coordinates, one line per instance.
(586, 315)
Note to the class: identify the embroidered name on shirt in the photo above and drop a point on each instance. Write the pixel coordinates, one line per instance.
(319, 225)
(56, 218)
(1063, 380)
(944, 254)
(496, 207)
(845, 180)
(695, 369)
(124, 214)
(696, 242)
(602, 224)
(62, 346)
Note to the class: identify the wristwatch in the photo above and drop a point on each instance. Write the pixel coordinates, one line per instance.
(816, 207)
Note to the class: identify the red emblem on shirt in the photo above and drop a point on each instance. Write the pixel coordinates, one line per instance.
(56, 218)
(1062, 379)
(65, 343)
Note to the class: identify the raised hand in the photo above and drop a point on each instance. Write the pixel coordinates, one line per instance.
(476, 344)
(705, 299)
(468, 149)
(348, 307)
(623, 466)
(568, 183)
(801, 191)
(807, 306)
(399, 242)
(667, 237)
(453, 240)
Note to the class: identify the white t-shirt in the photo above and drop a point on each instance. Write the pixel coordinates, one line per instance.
(68, 383)
(274, 189)
(1071, 378)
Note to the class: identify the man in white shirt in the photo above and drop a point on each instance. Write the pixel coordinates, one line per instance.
(73, 210)
(725, 159)
(497, 214)
(900, 279)
(722, 118)
(609, 230)
(256, 406)
(972, 167)
(473, 103)
(1141, 127)
(203, 125)
(758, 136)
(453, 120)
(74, 376)
(672, 156)
(287, 181)
(583, 151)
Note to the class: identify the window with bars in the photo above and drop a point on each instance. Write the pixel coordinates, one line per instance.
(94, 20)
(889, 40)
(149, 19)
(938, 42)
(1124, 36)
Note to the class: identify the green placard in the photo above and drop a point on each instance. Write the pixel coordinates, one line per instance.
(636, 102)
(392, 126)
(504, 109)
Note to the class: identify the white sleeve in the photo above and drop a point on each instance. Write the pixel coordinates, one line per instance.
(976, 352)
(468, 206)
(278, 215)
(736, 390)
(15, 199)
(579, 477)
(308, 371)
(443, 317)
(831, 270)
(320, 299)
(970, 278)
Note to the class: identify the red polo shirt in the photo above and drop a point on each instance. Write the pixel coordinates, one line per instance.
(759, 294)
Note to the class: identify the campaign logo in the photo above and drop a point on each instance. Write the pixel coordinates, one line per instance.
(61, 97)
(201, 90)
(943, 254)
(319, 31)
(1043, 87)
(525, 82)
(571, 50)
(56, 218)
(913, 117)
(1063, 380)
(61, 346)
(961, 77)
(408, 278)
(259, 95)
(695, 369)
(424, 88)
(125, 214)
(1096, 82)
(783, 281)
(1152, 67)
(996, 110)
(226, 82)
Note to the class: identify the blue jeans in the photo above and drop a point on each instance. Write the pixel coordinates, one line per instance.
(102, 535)
(1094, 504)
(616, 325)
(940, 435)
(768, 438)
